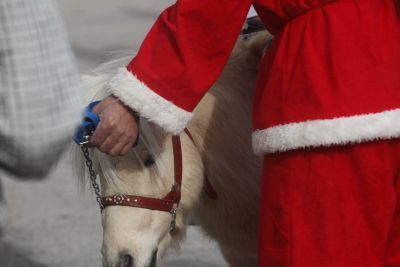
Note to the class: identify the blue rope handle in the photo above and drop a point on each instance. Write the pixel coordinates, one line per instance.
(89, 124)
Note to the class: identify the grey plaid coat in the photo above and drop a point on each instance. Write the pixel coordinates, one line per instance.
(40, 94)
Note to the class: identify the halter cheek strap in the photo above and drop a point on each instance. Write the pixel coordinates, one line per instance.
(170, 202)
(167, 203)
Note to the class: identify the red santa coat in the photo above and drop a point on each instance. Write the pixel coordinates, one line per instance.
(331, 76)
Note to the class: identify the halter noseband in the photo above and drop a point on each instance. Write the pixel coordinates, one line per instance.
(170, 202)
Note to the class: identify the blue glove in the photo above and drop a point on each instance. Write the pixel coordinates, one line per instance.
(89, 124)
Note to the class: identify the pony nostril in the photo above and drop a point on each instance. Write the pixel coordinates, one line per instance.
(127, 261)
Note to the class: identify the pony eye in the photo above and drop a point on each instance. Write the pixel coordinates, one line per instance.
(149, 161)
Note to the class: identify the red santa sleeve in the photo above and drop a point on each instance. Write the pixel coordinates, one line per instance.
(180, 59)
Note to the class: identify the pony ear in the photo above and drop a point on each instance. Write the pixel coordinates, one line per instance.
(259, 42)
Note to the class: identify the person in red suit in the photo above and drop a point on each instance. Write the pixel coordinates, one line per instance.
(326, 117)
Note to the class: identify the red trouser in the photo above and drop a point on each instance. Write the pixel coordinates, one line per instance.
(332, 207)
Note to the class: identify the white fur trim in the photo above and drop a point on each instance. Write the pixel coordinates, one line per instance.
(337, 131)
(135, 94)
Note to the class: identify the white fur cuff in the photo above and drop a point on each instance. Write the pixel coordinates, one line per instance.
(337, 131)
(147, 103)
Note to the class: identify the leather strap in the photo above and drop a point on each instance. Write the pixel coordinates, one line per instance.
(167, 203)
(171, 201)
(209, 189)
(138, 202)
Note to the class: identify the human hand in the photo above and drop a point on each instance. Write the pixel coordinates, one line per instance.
(118, 127)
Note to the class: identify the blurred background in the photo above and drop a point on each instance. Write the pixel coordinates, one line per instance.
(51, 223)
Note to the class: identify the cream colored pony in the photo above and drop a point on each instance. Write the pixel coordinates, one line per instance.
(222, 151)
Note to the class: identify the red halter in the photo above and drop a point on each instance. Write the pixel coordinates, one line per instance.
(170, 202)
(167, 203)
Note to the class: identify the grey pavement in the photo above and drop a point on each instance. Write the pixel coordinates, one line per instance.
(53, 223)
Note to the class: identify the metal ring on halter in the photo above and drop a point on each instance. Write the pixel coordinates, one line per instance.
(173, 214)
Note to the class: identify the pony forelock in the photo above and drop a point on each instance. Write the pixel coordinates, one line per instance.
(96, 85)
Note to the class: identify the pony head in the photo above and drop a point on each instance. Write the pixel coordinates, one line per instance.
(138, 236)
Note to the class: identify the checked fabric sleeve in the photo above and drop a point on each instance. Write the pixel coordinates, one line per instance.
(40, 92)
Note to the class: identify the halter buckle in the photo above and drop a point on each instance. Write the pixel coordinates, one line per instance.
(173, 215)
